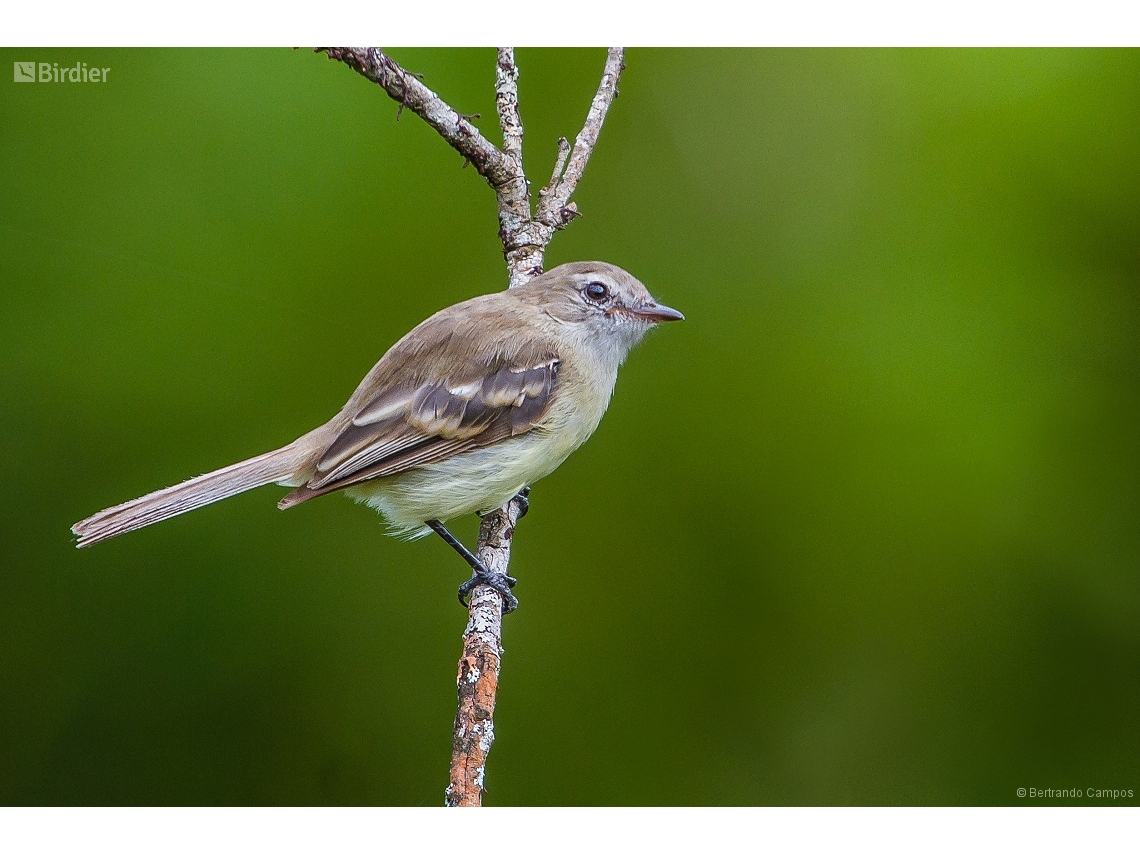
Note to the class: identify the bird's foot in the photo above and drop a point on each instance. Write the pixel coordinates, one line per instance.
(500, 582)
(522, 498)
(481, 574)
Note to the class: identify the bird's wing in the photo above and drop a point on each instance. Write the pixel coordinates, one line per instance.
(408, 426)
(409, 422)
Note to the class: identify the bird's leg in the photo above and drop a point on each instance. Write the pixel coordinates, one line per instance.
(481, 575)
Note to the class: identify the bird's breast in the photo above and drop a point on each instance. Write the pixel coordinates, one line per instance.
(488, 477)
(577, 404)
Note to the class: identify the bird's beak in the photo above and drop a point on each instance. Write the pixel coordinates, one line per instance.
(655, 313)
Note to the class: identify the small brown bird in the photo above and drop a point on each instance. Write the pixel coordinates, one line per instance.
(463, 413)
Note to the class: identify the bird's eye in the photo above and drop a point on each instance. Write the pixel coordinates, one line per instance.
(596, 291)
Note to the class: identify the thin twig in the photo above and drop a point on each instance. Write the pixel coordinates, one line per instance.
(406, 89)
(507, 104)
(524, 237)
(551, 210)
(522, 245)
(559, 168)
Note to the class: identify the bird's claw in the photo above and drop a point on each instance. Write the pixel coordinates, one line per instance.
(500, 582)
(522, 500)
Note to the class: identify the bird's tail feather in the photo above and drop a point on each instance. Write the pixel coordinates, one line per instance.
(272, 467)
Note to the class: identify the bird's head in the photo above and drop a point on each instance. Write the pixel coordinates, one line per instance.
(603, 306)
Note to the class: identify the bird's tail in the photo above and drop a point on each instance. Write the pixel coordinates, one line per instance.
(282, 465)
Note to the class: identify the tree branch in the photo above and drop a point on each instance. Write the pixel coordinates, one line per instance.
(559, 168)
(554, 208)
(478, 677)
(524, 237)
(523, 246)
(507, 104)
(407, 90)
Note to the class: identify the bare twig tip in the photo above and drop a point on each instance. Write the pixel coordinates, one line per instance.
(554, 201)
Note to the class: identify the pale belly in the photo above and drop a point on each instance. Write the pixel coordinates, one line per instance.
(479, 480)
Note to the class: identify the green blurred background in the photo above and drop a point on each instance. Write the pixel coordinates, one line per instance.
(865, 529)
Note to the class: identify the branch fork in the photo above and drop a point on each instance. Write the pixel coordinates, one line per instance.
(525, 234)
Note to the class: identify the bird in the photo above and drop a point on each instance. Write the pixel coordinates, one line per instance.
(459, 416)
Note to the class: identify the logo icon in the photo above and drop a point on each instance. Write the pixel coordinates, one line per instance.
(24, 72)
